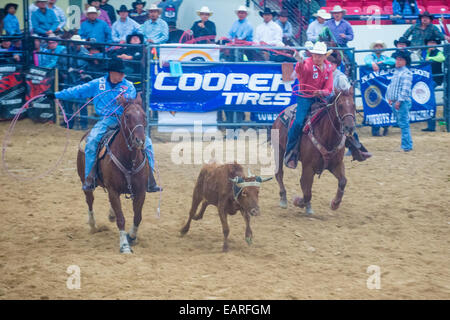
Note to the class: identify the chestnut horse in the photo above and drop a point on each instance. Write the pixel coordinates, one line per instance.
(123, 170)
(327, 152)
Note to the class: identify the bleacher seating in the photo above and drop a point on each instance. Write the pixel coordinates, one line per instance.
(438, 9)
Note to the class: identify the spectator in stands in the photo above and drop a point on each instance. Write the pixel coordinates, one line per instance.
(78, 50)
(341, 30)
(5, 56)
(316, 27)
(31, 9)
(59, 13)
(424, 30)
(204, 30)
(306, 8)
(175, 34)
(286, 26)
(399, 96)
(405, 8)
(132, 53)
(155, 30)
(52, 61)
(436, 57)
(102, 14)
(138, 13)
(109, 10)
(10, 22)
(241, 30)
(44, 21)
(95, 29)
(268, 32)
(170, 10)
(377, 60)
(95, 66)
(124, 26)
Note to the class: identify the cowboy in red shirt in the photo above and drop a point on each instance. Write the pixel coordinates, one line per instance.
(315, 77)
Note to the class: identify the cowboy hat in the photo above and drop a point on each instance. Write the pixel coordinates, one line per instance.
(116, 65)
(378, 42)
(91, 10)
(437, 40)
(76, 37)
(267, 11)
(426, 14)
(322, 13)
(402, 40)
(283, 13)
(337, 9)
(41, 0)
(204, 9)
(123, 8)
(404, 54)
(90, 1)
(241, 8)
(134, 4)
(154, 7)
(135, 34)
(320, 48)
(8, 5)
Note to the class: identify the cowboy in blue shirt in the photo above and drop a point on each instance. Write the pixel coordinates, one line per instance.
(105, 104)
(44, 20)
(94, 28)
(10, 22)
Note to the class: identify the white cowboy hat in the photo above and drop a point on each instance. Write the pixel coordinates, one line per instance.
(322, 14)
(76, 37)
(309, 45)
(319, 48)
(91, 10)
(337, 9)
(204, 9)
(241, 8)
(373, 44)
(154, 7)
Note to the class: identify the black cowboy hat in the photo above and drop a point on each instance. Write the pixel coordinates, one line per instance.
(426, 14)
(90, 1)
(402, 40)
(404, 54)
(437, 40)
(267, 11)
(123, 8)
(8, 5)
(134, 4)
(283, 13)
(116, 65)
(135, 34)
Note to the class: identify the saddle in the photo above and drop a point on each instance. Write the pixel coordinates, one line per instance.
(287, 116)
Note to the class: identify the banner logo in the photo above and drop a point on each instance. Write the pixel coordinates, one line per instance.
(421, 92)
(372, 96)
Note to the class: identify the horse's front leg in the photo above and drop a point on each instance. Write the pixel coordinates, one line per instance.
(339, 173)
(138, 203)
(306, 182)
(114, 199)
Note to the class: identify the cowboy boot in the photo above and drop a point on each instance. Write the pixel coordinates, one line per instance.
(152, 186)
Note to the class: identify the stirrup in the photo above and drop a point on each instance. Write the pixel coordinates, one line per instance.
(290, 160)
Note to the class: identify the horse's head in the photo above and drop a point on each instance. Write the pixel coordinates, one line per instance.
(134, 121)
(346, 110)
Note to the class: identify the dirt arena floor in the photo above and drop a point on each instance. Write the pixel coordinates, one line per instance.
(395, 215)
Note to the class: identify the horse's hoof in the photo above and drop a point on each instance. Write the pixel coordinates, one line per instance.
(298, 202)
(132, 241)
(283, 204)
(249, 240)
(309, 211)
(93, 229)
(334, 205)
(125, 248)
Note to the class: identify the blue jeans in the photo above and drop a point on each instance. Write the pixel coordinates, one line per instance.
(95, 136)
(295, 132)
(402, 115)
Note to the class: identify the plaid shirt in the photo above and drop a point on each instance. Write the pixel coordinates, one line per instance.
(419, 35)
(400, 87)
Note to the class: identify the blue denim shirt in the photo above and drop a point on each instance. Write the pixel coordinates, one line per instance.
(98, 29)
(241, 30)
(43, 22)
(11, 25)
(157, 31)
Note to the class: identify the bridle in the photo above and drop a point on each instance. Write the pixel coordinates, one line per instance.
(338, 116)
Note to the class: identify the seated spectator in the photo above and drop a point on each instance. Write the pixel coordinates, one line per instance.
(10, 22)
(77, 50)
(124, 26)
(138, 13)
(5, 55)
(44, 20)
(315, 27)
(269, 32)
(155, 30)
(376, 60)
(424, 30)
(170, 10)
(31, 9)
(51, 61)
(204, 31)
(175, 34)
(95, 66)
(286, 26)
(436, 57)
(102, 14)
(132, 53)
(59, 13)
(405, 8)
(95, 29)
(109, 10)
(241, 29)
(36, 49)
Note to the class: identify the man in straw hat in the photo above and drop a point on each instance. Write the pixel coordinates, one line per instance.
(44, 20)
(111, 84)
(102, 14)
(204, 29)
(138, 13)
(170, 10)
(315, 77)
(94, 28)
(316, 27)
(424, 29)
(123, 26)
(376, 60)
(155, 30)
(241, 28)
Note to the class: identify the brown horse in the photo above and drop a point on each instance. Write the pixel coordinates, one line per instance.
(124, 169)
(326, 152)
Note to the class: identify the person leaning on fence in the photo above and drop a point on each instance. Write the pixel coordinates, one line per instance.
(59, 13)
(436, 58)
(123, 26)
(44, 20)
(106, 90)
(315, 78)
(131, 53)
(102, 14)
(401, 44)
(50, 60)
(10, 22)
(94, 28)
(138, 13)
(104, 5)
(377, 60)
(241, 30)
(155, 30)
(6, 56)
(398, 94)
(315, 28)
(286, 26)
(204, 30)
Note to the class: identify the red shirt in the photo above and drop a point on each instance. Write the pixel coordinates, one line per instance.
(311, 77)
